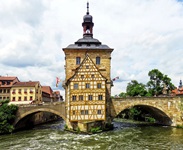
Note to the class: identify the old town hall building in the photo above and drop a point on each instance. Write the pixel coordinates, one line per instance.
(88, 81)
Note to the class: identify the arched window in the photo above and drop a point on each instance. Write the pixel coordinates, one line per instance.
(98, 60)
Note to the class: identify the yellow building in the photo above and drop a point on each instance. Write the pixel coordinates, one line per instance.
(5, 86)
(88, 81)
(26, 93)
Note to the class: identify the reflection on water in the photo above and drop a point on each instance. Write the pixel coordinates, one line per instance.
(53, 137)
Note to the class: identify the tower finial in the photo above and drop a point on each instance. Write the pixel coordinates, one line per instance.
(87, 8)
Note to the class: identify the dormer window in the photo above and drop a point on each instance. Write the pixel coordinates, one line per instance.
(98, 60)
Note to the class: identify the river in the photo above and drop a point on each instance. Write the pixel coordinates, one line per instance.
(124, 137)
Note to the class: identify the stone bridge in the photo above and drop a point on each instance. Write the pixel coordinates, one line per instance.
(167, 110)
(57, 108)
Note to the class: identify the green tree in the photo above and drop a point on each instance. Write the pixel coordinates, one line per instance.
(122, 94)
(7, 116)
(157, 82)
(136, 89)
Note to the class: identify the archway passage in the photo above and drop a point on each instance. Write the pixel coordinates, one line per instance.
(36, 116)
(146, 113)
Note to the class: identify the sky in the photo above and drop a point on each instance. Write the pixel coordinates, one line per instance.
(145, 35)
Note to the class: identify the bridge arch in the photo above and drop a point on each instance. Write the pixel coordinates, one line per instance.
(159, 113)
(23, 115)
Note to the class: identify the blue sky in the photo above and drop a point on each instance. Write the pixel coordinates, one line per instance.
(145, 34)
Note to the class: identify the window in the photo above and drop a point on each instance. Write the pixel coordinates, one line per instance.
(13, 99)
(25, 98)
(30, 97)
(74, 98)
(13, 91)
(78, 60)
(100, 97)
(0, 97)
(81, 97)
(19, 91)
(99, 85)
(99, 112)
(4, 91)
(82, 76)
(74, 112)
(8, 91)
(0, 90)
(75, 85)
(19, 98)
(86, 112)
(25, 91)
(87, 67)
(31, 90)
(98, 60)
(4, 97)
(82, 112)
(92, 75)
(8, 82)
(90, 97)
(87, 85)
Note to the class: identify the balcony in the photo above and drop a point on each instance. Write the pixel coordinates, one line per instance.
(13, 93)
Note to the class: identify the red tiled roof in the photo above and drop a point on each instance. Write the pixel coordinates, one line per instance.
(178, 91)
(30, 83)
(57, 92)
(7, 78)
(47, 89)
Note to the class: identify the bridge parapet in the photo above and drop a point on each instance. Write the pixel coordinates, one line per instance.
(145, 98)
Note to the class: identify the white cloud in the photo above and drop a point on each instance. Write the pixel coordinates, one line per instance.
(144, 34)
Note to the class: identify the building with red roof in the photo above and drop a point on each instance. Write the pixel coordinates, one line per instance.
(6, 83)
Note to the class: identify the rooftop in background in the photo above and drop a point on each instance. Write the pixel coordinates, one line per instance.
(7, 78)
(8, 81)
(47, 89)
(26, 84)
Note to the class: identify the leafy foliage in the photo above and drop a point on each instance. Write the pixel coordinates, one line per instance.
(133, 112)
(122, 94)
(7, 116)
(155, 86)
(158, 81)
(136, 89)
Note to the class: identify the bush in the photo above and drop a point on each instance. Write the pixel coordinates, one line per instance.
(7, 116)
(95, 129)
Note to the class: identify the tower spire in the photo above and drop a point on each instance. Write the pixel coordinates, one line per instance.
(87, 8)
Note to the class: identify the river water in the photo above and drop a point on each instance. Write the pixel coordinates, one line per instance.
(123, 137)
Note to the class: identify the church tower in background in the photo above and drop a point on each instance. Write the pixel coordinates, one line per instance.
(88, 80)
